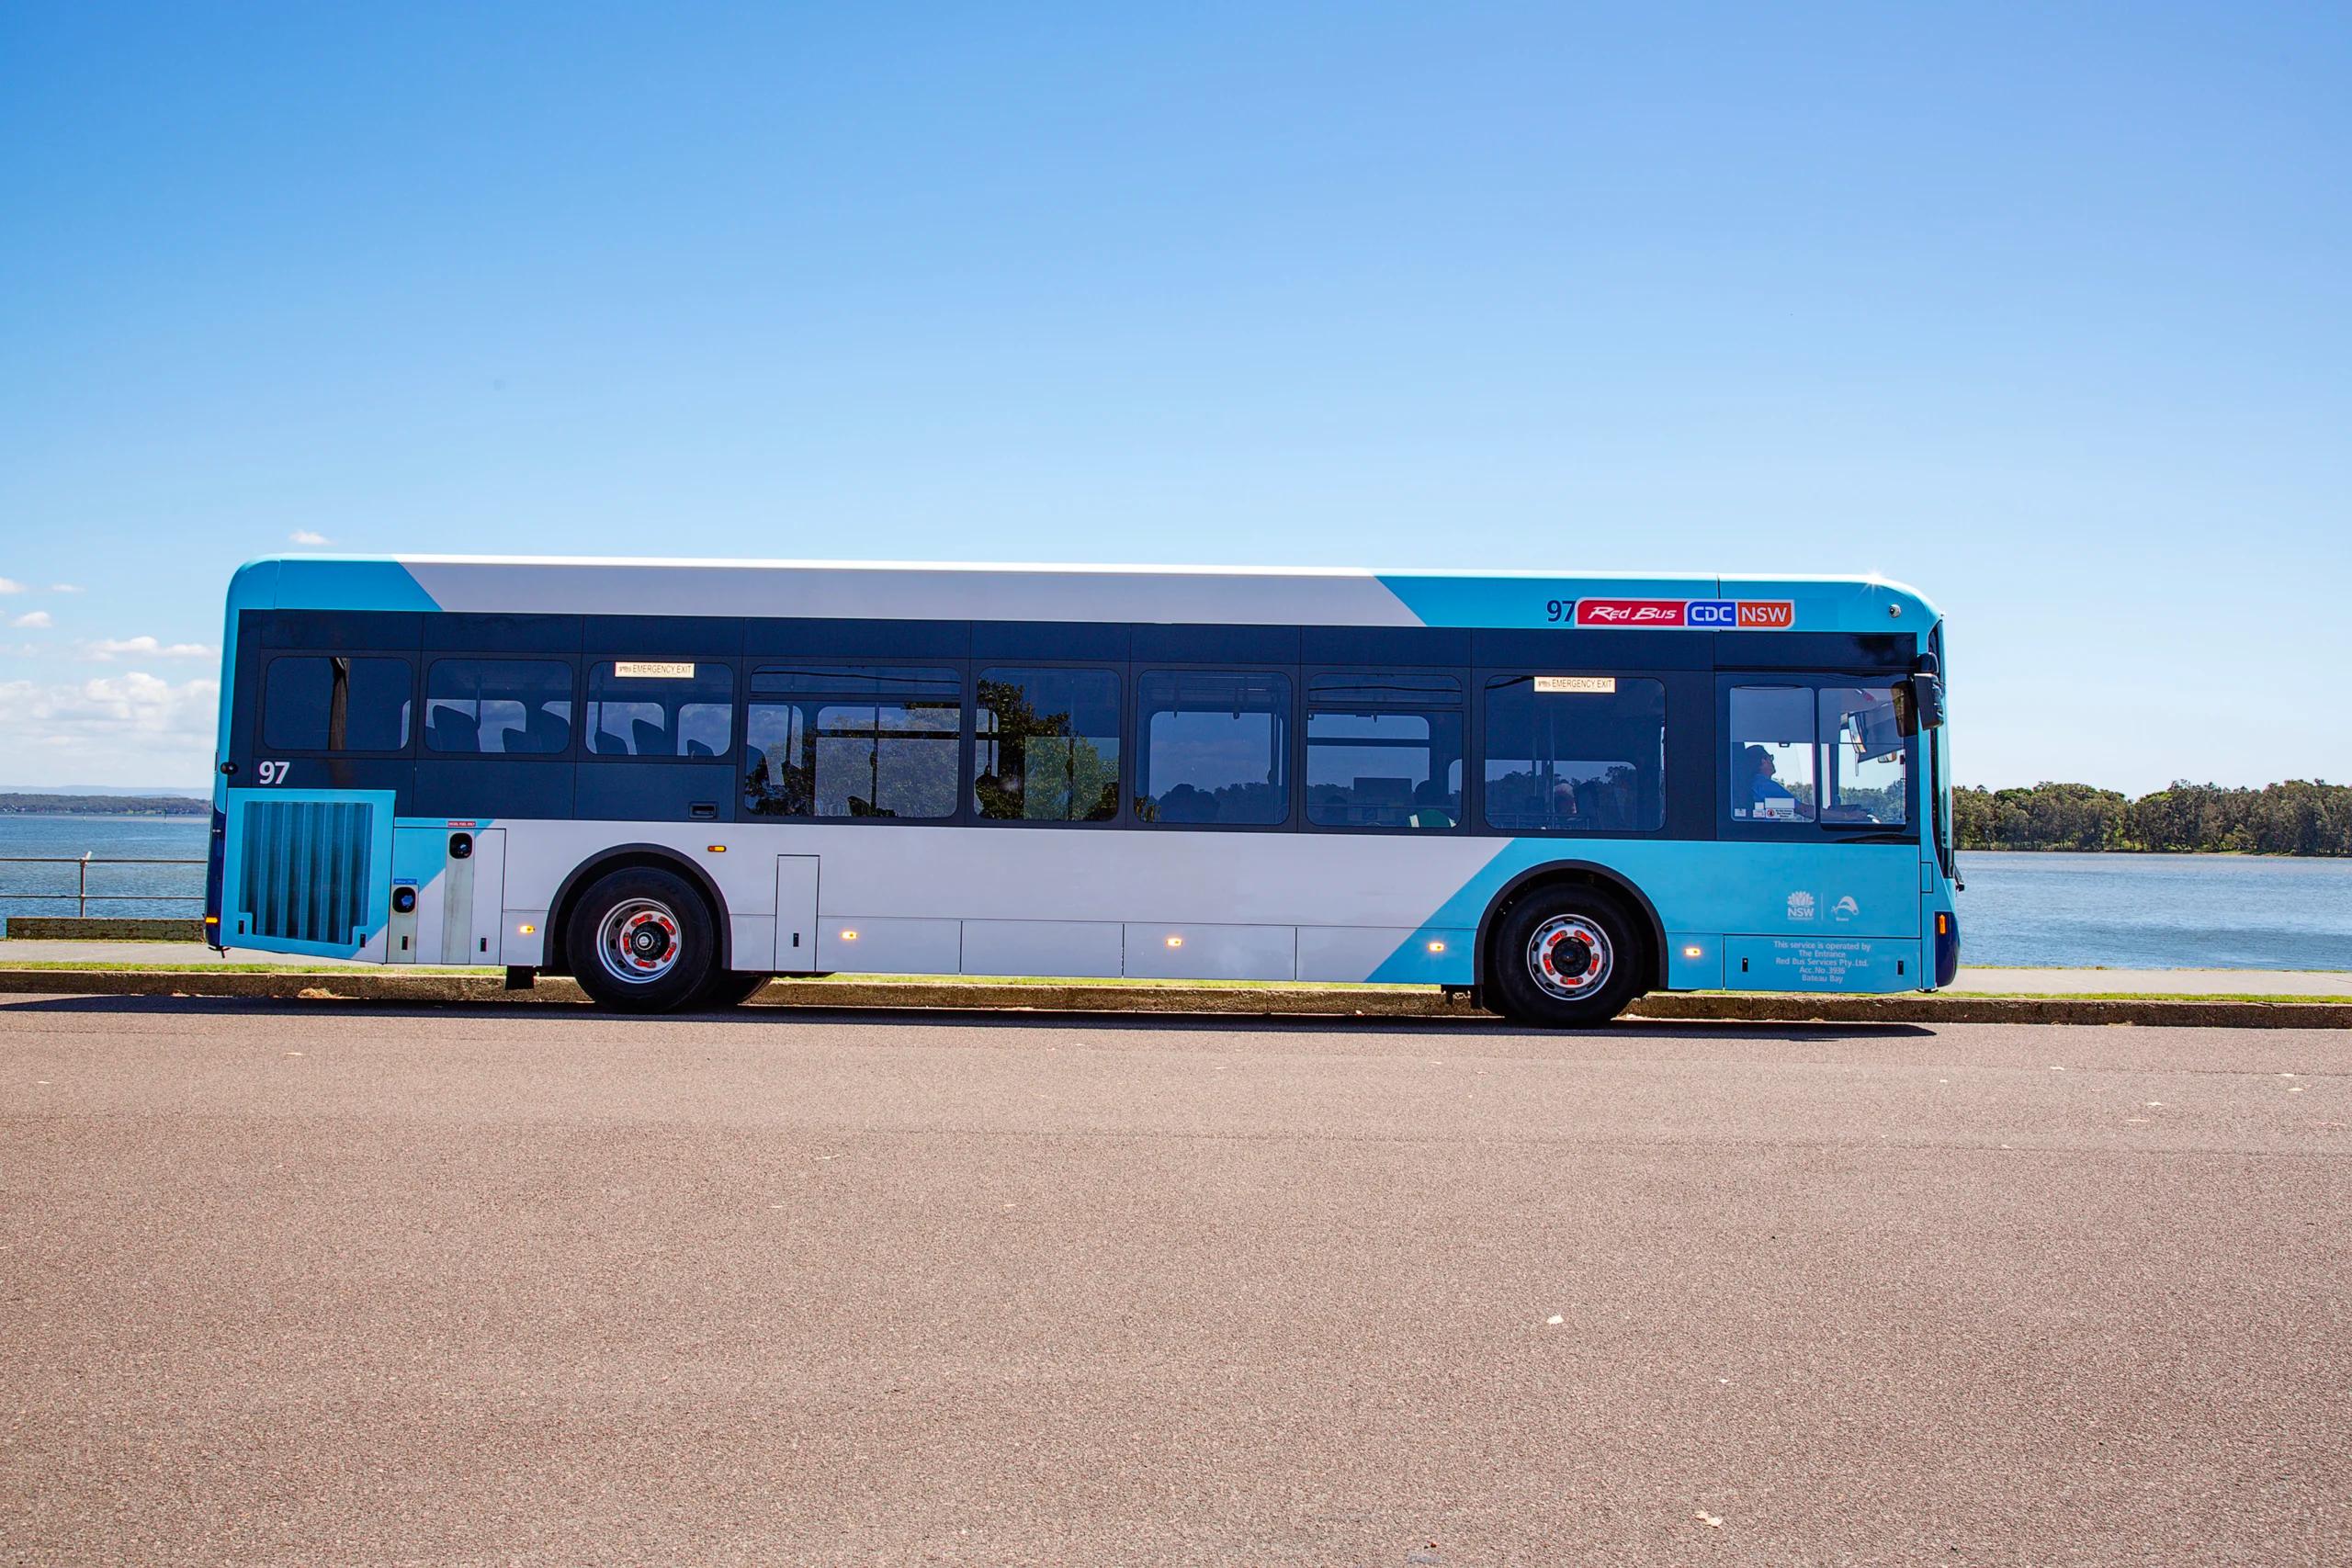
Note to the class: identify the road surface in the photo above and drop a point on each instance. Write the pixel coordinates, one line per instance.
(334, 1283)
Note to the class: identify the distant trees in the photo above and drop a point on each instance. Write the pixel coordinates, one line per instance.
(2298, 817)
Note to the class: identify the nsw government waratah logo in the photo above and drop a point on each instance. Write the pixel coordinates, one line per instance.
(1800, 905)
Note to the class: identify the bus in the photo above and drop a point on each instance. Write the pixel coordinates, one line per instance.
(676, 780)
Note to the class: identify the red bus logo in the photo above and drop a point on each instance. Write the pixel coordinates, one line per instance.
(1630, 612)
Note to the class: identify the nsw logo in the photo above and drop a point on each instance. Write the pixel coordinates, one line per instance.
(1800, 905)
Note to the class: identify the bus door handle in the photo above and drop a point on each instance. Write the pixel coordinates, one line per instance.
(704, 810)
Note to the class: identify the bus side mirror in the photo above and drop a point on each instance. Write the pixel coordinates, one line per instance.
(1920, 703)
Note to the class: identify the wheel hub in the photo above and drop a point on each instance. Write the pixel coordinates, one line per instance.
(638, 941)
(1569, 956)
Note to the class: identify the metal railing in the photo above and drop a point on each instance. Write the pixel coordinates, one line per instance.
(82, 897)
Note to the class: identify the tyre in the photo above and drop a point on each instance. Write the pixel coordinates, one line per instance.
(1566, 958)
(733, 987)
(642, 941)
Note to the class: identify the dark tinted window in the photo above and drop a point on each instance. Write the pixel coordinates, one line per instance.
(1046, 745)
(1384, 750)
(1578, 754)
(660, 708)
(498, 707)
(1214, 747)
(337, 704)
(852, 740)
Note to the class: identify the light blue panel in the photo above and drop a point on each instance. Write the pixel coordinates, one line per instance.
(283, 870)
(1095, 948)
(1813, 889)
(347, 582)
(1348, 954)
(1467, 599)
(1819, 963)
(1212, 952)
(1694, 961)
(889, 945)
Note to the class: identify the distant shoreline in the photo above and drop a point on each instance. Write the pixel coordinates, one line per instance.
(103, 806)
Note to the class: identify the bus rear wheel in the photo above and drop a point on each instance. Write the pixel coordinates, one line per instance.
(641, 941)
(1566, 958)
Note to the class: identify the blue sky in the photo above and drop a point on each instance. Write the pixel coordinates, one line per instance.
(2046, 311)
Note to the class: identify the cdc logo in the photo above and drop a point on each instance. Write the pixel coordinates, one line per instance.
(1713, 613)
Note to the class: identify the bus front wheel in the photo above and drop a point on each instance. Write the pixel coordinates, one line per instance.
(641, 941)
(1566, 958)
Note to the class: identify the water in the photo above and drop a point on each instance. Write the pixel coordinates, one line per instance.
(2155, 911)
(2071, 911)
(171, 838)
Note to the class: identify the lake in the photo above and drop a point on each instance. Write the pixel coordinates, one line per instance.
(2116, 911)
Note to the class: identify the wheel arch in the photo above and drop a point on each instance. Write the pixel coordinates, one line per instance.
(622, 857)
(1573, 874)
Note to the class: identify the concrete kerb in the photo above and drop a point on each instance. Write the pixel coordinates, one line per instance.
(346, 985)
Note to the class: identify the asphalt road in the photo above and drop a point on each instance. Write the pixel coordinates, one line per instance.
(329, 1283)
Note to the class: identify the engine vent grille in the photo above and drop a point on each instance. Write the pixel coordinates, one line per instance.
(304, 869)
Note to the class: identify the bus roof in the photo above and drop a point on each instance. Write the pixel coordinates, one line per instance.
(1165, 594)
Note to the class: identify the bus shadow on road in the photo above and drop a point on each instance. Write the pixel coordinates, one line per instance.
(758, 1016)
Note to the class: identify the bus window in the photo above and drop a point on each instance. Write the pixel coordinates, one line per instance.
(853, 740)
(1862, 773)
(1215, 748)
(1384, 750)
(1576, 753)
(336, 704)
(498, 707)
(660, 709)
(1771, 772)
(1047, 745)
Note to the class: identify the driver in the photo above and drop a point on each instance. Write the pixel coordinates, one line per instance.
(1762, 786)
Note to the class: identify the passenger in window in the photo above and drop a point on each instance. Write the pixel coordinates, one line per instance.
(1765, 792)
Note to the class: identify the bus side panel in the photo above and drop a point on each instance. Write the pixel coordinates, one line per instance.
(1394, 908)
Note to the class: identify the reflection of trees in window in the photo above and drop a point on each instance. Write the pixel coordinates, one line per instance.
(851, 760)
(1037, 767)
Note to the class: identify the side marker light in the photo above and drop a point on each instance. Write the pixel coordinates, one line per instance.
(1694, 953)
(1175, 941)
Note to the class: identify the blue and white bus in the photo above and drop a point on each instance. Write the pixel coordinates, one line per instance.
(672, 780)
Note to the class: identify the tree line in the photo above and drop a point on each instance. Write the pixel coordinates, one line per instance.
(2298, 817)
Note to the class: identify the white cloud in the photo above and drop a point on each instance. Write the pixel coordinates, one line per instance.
(33, 620)
(130, 729)
(10, 586)
(108, 649)
(67, 588)
(304, 537)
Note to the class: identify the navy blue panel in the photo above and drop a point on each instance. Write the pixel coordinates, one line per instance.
(1572, 649)
(655, 792)
(331, 631)
(482, 787)
(662, 637)
(859, 639)
(1091, 641)
(1691, 757)
(1815, 651)
(335, 772)
(1443, 646)
(501, 634)
(1216, 645)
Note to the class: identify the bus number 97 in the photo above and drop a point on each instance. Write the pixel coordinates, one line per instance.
(1558, 610)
